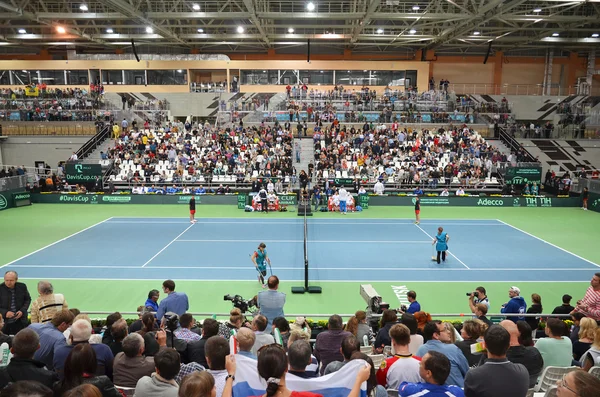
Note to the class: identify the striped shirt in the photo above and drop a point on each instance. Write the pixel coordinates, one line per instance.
(592, 300)
(46, 306)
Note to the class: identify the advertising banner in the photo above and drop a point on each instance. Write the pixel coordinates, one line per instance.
(523, 175)
(82, 173)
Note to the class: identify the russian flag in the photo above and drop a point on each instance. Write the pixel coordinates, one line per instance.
(338, 384)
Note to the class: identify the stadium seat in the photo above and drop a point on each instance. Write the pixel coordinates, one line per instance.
(392, 392)
(595, 371)
(126, 391)
(551, 375)
(366, 349)
(377, 359)
(552, 392)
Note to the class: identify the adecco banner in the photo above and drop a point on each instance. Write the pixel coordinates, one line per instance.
(9, 197)
(523, 175)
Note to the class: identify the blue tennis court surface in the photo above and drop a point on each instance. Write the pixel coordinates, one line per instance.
(345, 249)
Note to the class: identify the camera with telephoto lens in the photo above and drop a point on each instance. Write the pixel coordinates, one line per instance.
(403, 308)
(171, 321)
(475, 294)
(241, 303)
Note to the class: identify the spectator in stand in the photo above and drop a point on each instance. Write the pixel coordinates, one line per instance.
(592, 356)
(498, 376)
(328, 343)
(282, 326)
(416, 340)
(162, 382)
(578, 384)
(434, 369)
(271, 302)
(81, 331)
(436, 336)
(51, 336)
(27, 388)
(576, 317)
(184, 332)
(118, 331)
(403, 366)
(349, 345)
(216, 350)
(152, 300)
(480, 312)
(14, 303)
(535, 308)
(587, 330)
(388, 319)
(195, 350)
(197, 384)
(259, 326)
(590, 304)
(22, 365)
(515, 305)
(301, 358)
(131, 365)
(47, 304)
(80, 367)
(176, 302)
(566, 307)
(245, 338)
(363, 329)
(471, 331)
(525, 333)
(556, 349)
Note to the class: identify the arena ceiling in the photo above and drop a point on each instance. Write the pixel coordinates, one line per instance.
(254, 26)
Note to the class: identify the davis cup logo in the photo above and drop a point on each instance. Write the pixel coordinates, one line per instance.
(3, 202)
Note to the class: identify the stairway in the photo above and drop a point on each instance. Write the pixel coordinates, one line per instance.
(307, 155)
(94, 157)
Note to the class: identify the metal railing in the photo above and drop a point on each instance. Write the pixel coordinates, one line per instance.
(94, 142)
(578, 184)
(13, 182)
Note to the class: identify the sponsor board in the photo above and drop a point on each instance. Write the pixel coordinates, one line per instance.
(115, 199)
(82, 173)
(186, 199)
(432, 201)
(3, 203)
(523, 175)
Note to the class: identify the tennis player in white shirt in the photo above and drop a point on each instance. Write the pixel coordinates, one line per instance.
(343, 199)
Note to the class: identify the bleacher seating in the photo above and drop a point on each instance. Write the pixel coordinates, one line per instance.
(460, 157)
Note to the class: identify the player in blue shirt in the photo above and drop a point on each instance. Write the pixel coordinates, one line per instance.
(441, 244)
(260, 260)
(434, 369)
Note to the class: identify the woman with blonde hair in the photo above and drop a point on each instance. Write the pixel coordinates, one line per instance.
(587, 330)
(592, 357)
(352, 326)
(236, 320)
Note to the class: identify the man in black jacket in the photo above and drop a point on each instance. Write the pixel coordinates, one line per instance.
(14, 303)
(22, 366)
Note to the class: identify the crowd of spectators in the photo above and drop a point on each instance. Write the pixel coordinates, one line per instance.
(190, 152)
(408, 157)
(166, 353)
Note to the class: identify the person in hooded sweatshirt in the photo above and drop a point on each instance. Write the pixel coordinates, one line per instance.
(516, 305)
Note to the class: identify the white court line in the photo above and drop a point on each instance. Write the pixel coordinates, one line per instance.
(200, 221)
(167, 246)
(315, 267)
(454, 256)
(56, 242)
(310, 241)
(287, 219)
(544, 241)
(302, 280)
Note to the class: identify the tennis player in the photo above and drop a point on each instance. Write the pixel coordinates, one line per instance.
(260, 260)
(417, 210)
(193, 210)
(441, 244)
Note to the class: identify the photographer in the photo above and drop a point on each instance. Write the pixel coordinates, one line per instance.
(476, 297)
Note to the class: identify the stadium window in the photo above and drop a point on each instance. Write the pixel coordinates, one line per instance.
(411, 78)
(316, 77)
(22, 77)
(167, 77)
(77, 77)
(288, 77)
(135, 77)
(50, 77)
(4, 77)
(112, 77)
(94, 76)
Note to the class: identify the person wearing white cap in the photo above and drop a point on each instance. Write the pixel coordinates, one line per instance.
(516, 305)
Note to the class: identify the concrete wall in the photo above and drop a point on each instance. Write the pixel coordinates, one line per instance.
(25, 150)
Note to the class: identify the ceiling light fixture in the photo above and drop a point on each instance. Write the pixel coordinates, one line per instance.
(310, 6)
(476, 33)
(412, 31)
(109, 30)
(537, 10)
(23, 31)
(200, 30)
(555, 34)
(594, 35)
(416, 8)
(240, 29)
(83, 7)
(149, 30)
(290, 30)
(60, 29)
(196, 7)
(379, 31)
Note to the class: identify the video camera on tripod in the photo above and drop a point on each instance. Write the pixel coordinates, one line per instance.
(375, 305)
(242, 304)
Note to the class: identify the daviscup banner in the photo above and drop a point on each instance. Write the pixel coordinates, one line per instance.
(523, 175)
(82, 173)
